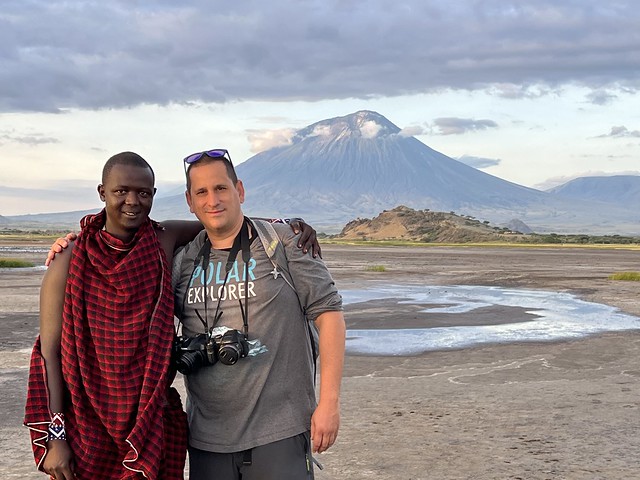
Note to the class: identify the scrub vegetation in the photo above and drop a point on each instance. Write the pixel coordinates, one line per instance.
(628, 276)
(14, 263)
(376, 268)
(17, 236)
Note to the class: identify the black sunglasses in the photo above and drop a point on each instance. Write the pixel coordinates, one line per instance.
(215, 153)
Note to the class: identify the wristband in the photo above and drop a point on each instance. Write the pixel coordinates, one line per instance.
(56, 427)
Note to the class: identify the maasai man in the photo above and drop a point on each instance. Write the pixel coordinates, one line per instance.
(99, 402)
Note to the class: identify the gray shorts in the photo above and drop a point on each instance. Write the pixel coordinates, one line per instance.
(288, 459)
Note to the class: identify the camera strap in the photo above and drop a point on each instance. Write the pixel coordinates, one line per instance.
(240, 243)
(245, 245)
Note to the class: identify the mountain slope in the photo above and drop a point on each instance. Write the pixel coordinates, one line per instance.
(621, 190)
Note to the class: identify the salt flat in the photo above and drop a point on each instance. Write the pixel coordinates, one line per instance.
(522, 410)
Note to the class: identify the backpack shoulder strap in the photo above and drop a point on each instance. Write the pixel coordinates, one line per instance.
(276, 253)
(275, 250)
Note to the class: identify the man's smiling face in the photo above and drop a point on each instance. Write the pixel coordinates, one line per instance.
(128, 195)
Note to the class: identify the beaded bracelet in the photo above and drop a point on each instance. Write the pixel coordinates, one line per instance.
(56, 427)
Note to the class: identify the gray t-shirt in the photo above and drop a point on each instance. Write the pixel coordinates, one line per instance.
(270, 396)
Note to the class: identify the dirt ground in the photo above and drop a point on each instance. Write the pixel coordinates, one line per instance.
(563, 410)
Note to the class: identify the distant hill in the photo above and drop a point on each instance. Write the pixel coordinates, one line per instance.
(516, 225)
(403, 223)
(47, 221)
(620, 190)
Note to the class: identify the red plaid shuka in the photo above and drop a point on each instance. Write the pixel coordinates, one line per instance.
(122, 419)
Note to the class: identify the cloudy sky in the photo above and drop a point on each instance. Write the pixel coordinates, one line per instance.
(535, 91)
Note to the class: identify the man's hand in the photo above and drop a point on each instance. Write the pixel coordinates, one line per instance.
(308, 239)
(59, 245)
(59, 460)
(325, 422)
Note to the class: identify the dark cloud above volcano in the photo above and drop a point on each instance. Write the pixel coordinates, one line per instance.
(92, 54)
(458, 126)
(479, 162)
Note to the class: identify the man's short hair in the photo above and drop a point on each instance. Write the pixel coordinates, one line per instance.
(231, 172)
(126, 158)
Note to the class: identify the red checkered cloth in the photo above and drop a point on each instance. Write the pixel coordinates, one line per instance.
(122, 419)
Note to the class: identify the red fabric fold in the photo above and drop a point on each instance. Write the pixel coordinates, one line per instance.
(122, 422)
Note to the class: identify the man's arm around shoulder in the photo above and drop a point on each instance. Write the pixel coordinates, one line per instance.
(177, 233)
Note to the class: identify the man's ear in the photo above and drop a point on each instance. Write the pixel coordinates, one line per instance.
(240, 188)
(155, 190)
(188, 197)
(101, 192)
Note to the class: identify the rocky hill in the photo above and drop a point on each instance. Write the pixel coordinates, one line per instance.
(404, 223)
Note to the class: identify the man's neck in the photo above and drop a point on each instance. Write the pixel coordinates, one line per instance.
(221, 240)
(125, 235)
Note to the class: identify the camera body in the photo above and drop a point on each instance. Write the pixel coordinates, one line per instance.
(193, 353)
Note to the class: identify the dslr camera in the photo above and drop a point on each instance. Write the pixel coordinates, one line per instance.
(193, 353)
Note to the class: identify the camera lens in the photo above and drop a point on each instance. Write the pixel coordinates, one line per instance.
(232, 347)
(229, 354)
(189, 362)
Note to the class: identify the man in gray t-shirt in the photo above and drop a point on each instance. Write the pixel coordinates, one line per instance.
(256, 418)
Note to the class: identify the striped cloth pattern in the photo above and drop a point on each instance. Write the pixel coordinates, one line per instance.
(122, 420)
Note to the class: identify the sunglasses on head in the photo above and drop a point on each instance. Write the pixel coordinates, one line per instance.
(215, 153)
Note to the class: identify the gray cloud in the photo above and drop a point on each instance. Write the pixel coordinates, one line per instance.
(457, 126)
(621, 132)
(262, 140)
(601, 97)
(412, 131)
(514, 91)
(32, 140)
(93, 54)
(479, 162)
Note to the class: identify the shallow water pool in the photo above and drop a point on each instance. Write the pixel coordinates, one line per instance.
(554, 316)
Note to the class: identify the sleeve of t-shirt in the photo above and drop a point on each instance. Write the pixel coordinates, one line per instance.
(311, 277)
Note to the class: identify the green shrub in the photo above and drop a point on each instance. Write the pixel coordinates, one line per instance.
(630, 276)
(14, 263)
(376, 268)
